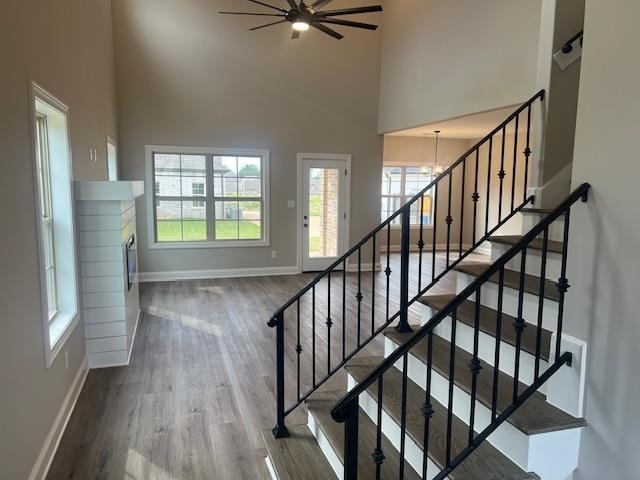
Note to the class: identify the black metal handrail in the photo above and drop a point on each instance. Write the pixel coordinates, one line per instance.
(568, 45)
(347, 408)
(443, 181)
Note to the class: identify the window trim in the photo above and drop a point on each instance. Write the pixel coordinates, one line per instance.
(58, 329)
(403, 166)
(150, 150)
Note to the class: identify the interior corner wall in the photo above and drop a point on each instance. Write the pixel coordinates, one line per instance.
(68, 51)
(443, 60)
(189, 76)
(603, 266)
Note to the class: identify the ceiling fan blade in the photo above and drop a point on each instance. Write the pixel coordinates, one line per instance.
(268, 6)
(257, 14)
(267, 25)
(294, 5)
(295, 35)
(327, 30)
(350, 11)
(347, 23)
(320, 3)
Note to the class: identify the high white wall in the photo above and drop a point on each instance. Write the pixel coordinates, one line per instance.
(189, 76)
(446, 59)
(68, 50)
(604, 266)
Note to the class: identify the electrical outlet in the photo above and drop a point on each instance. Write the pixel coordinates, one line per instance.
(291, 204)
(66, 360)
(274, 254)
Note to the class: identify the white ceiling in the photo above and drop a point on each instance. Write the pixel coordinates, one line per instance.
(467, 127)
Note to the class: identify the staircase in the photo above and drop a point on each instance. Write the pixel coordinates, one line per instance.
(483, 386)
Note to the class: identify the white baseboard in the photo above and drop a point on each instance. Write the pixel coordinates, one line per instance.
(176, 275)
(364, 267)
(51, 443)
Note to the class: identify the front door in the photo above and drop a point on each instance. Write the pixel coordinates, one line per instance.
(324, 212)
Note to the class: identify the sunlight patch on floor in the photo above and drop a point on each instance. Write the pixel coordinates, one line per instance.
(185, 320)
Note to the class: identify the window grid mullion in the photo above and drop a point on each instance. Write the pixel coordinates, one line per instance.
(210, 205)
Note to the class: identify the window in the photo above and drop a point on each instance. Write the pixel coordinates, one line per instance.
(55, 221)
(399, 185)
(197, 190)
(208, 197)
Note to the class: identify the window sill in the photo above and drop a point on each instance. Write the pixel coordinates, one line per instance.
(197, 245)
(60, 329)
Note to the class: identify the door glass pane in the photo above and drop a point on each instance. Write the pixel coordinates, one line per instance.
(324, 187)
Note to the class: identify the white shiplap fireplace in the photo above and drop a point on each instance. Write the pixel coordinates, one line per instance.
(110, 299)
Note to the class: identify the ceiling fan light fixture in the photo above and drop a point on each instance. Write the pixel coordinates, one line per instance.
(300, 26)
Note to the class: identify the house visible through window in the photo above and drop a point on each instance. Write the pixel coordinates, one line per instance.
(209, 197)
(399, 185)
(46, 214)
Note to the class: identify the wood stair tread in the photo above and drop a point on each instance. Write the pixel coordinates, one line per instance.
(466, 315)
(485, 463)
(534, 417)
(297, 457)
(321, 407)
(512, 280)
(536, 244)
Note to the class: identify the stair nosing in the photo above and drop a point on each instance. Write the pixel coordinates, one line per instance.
(545, 345)
(473, 270)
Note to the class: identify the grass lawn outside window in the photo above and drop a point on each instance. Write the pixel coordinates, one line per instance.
(196, 230)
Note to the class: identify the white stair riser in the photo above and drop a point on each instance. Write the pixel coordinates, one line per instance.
(508, 439)
(533, 262)
(486, 349)
(527, 451)
(391, 429)
(330, 454)
(489, 298)
(556, 229)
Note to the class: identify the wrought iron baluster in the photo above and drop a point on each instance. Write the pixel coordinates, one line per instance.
(449, 218)
(543, 274)
(496, 361)
(403, 324)
(427, 407)
(387, 270)
(298, 346)
(329, 322)
(280, 430)
(515, 164)
(486, 220)
(501, 173)
(464, 175)
(313, 336)
(403, 414)
(378, 454)
(373, 285)
(527, 154)
(452, 366)
(475, 365)
(519, 324)
(420, 243)
(563, 283)
(434, 221)
(352, 416)
(344, 309)
(474, 198)
(359, 296)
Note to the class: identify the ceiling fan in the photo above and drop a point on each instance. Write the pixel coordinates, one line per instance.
(303, 16)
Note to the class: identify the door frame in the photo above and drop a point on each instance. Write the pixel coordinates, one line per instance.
(299, 201)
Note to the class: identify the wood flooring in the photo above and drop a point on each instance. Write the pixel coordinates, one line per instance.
(200, 385)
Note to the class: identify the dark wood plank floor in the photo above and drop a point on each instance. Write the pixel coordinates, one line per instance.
(199, 389)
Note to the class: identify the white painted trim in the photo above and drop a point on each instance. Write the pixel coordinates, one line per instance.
(177, 275)
(69, 317)
(347, 199)
(272, 471)
(364, 267)
(47, 452)
(149, 150)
